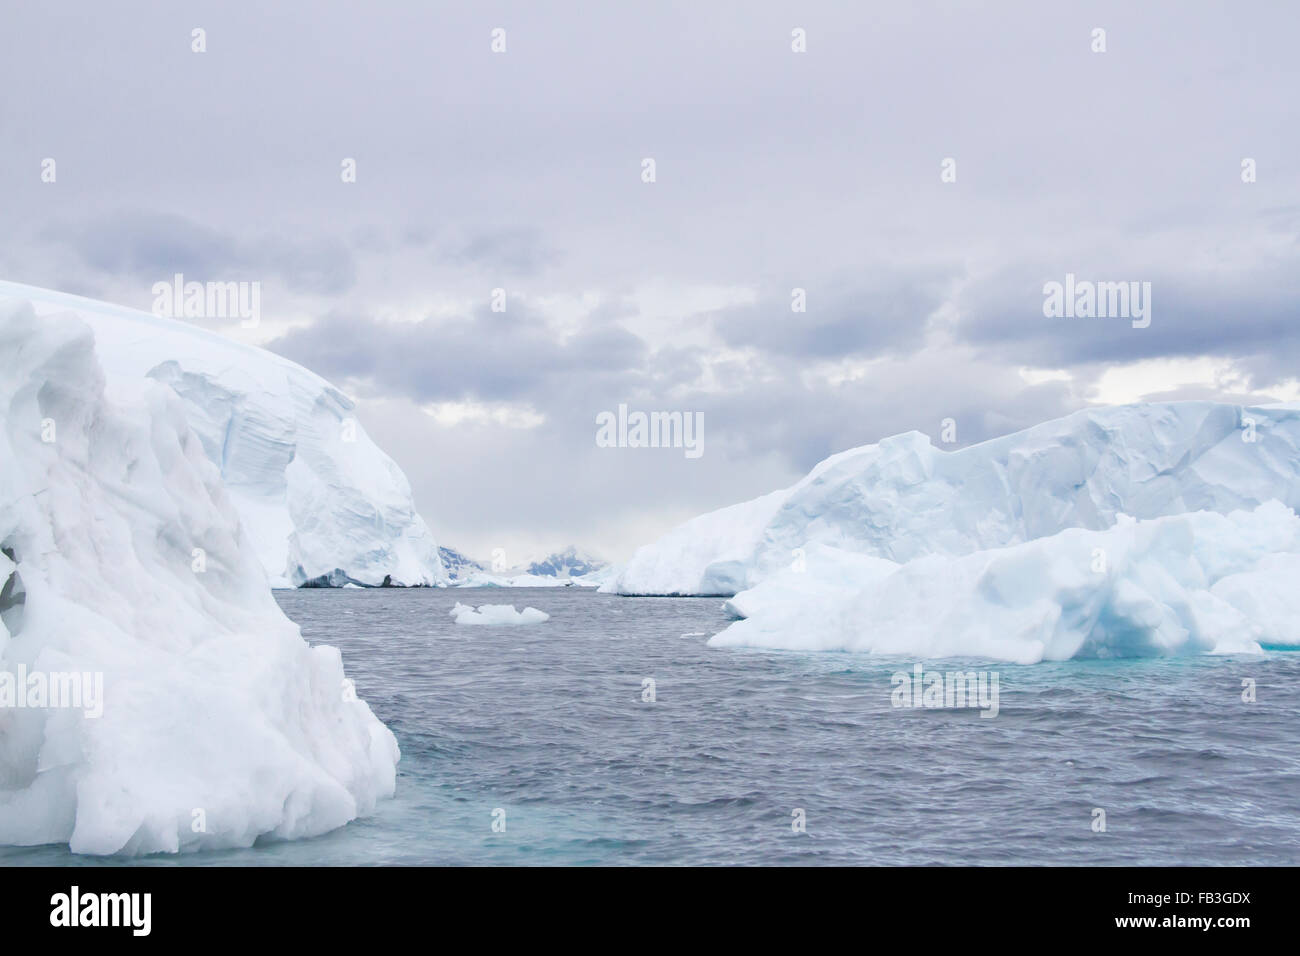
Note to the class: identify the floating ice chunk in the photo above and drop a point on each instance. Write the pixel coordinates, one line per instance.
(497, 614)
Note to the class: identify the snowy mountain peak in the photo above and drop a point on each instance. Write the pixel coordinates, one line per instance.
(556, 569)
(569, 563)
(458, 565)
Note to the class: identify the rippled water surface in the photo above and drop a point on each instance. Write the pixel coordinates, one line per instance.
(547, 723)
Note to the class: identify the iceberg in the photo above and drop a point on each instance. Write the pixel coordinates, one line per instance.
(320, 502)
(497, 614)
(902, 498)
(1197, 583)
(190, 713)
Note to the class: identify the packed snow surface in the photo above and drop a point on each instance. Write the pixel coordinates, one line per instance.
(1186, 584)
(902, 498)
(497, 614)
(320, 502)
(166, 702)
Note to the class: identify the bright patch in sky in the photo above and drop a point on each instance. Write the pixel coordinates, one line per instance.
(1131, 383)
(501, 414)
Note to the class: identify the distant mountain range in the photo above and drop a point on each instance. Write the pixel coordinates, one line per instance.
(569, 563)
(458, 565)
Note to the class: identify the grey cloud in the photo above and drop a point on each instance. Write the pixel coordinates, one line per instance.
(491, 356)
(755, 440)
(804, 424)
(510, 252)
(887, 312)
(153, 246)
(1250, 313)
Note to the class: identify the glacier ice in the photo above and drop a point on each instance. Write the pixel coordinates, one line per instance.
(902, 498)
(1184, 584)
(219, 723)
(497, 614)
(321, 503)
(1137, 530)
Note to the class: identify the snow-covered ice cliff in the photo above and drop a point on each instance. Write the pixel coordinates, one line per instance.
(319, 500)
(155, 697)
(1194, 583)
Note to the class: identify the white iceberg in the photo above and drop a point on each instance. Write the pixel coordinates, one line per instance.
(497, 614)
(1185, 584)
(320, 502)
(126, 575)
(902, 498)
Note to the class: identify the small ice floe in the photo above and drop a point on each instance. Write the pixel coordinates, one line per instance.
(497, 614)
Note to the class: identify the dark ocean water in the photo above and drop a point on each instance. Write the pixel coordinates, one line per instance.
(547, 723)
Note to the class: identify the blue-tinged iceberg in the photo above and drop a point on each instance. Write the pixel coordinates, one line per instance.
(1139, 530)
(1198, 583)
(903, 498)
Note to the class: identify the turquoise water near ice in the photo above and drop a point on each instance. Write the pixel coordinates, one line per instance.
(547, 723)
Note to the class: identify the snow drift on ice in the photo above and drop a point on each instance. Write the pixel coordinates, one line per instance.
(219, 723)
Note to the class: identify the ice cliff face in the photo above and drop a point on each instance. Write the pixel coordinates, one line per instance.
(1197, 583)
(152, 695)
(319, 501)
(903, 498)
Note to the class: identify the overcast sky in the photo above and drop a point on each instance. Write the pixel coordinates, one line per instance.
(774, 170)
